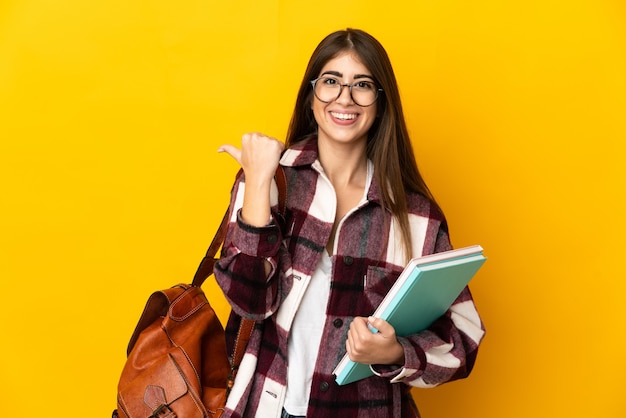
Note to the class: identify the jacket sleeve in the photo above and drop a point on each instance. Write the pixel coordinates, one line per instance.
(241, 270)
(447, 350)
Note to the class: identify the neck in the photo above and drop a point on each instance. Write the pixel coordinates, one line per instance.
(344, 164)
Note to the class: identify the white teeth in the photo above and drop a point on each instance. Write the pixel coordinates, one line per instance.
(344, 116)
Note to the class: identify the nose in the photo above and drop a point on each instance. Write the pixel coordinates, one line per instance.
(345, 95)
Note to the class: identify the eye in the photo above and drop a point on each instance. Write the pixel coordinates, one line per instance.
(329, 81)
(364, 85)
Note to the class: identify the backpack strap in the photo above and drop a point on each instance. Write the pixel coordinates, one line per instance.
(205, 269)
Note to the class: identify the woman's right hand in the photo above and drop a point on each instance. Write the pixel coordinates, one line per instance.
(259, 156)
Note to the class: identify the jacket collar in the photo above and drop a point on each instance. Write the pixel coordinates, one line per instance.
(301, 154)
(305, 153)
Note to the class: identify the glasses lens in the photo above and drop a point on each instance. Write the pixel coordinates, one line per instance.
(364, 93)
(328, 89)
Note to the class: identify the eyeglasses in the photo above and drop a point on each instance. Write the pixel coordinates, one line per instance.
(328, 89)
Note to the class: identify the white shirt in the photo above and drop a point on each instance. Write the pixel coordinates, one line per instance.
(305, 337)
(307, 327)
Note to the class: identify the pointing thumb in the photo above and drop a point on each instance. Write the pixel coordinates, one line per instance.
(232, 151)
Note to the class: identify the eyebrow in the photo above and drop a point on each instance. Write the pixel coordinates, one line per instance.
(340, 75)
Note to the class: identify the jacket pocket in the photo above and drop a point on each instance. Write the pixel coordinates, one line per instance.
(376, 284)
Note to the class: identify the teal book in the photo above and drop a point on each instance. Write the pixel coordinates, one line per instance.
(424, 291)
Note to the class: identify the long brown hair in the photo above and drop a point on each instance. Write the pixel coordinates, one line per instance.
(389, 146)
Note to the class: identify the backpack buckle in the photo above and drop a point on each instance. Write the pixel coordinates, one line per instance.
(163, 411)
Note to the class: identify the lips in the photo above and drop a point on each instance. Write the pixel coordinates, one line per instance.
(344, 116)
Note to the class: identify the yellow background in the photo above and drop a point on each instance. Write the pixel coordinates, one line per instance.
(111, 187)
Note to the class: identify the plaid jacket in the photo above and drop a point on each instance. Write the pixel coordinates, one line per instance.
(367, 261)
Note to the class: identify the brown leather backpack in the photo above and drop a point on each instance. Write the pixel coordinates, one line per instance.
(177, 363)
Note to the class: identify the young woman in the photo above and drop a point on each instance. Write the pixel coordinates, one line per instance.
(357, 211)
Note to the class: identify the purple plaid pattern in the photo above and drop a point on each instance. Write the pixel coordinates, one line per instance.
(365, 265)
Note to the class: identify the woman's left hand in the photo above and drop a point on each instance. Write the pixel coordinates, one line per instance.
(364, 346)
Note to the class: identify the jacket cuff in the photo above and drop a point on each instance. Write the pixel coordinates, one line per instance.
(256, 241)
(414, 364)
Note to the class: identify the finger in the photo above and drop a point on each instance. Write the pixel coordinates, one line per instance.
(256, 137)
(358, 326)
(354, 347)
(385, 329)
(361, 336)
(232, 151)
(358, 343)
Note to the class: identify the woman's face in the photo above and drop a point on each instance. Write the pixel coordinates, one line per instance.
(342, 120)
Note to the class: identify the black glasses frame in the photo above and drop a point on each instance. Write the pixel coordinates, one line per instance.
(341, 86)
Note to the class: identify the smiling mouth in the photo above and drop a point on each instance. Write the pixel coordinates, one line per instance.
(344, 116)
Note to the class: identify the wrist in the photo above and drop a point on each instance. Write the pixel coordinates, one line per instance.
(255, 210)
(397, 354)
